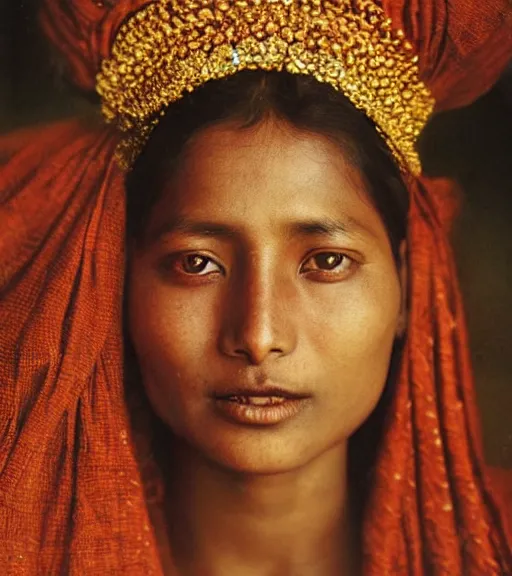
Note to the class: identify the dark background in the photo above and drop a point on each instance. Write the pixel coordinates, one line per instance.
(473, 145)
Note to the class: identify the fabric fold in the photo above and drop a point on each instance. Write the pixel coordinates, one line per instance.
(431, 464)
(71, 499)
(463, 46)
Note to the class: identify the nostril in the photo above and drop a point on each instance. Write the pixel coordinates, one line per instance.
(256, 356)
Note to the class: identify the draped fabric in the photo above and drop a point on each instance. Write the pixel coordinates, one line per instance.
(72, 496)
(432, 510)
(71, 500)
(462, 45)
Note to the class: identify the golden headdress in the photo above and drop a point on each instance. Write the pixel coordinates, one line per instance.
(169, 48)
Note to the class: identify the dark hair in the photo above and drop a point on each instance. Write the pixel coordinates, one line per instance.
(249, 97)
(245, 99)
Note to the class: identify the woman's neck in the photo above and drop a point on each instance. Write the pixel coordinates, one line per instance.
(296, 523)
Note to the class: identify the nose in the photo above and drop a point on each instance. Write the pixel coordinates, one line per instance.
(259, 321)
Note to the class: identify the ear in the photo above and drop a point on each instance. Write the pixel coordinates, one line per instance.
(403, 273)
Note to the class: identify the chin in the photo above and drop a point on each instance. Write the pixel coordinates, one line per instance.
(258, 450)
(256, 465)
(261, 452)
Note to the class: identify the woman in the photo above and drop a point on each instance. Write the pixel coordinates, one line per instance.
(239, 280)
(242, 277)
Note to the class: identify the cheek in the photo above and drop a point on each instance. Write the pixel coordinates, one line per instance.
(170, 335)
(354, 338)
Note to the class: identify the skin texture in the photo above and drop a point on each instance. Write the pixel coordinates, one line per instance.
(261, 306)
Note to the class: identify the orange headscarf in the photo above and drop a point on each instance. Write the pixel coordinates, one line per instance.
(72, 499)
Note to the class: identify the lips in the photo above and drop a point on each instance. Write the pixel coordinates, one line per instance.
(259, 410)
(256, 400)
(269, 392)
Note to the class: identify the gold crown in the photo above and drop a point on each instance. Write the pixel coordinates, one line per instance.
(169, 48)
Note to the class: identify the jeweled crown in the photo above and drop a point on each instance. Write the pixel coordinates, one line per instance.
(169, 48)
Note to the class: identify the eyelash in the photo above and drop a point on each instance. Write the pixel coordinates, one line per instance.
(325, 273)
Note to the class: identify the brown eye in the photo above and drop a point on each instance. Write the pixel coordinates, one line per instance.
(328, 262)
(194, 263)
(197, 264)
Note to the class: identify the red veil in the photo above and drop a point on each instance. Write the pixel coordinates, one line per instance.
(71, 493)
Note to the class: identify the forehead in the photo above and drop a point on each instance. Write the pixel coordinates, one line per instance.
(266, 173)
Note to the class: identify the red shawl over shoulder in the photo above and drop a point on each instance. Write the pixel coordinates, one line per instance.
(71, 494)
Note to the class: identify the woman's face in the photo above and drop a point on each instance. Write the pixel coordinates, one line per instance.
(265, 264)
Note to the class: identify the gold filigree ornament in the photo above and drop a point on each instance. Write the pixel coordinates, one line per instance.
(171, 47)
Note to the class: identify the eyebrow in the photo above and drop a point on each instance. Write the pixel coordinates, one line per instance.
(313, 227)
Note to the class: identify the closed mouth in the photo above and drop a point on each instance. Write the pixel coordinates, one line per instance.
(257, 400)
(269, 394)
